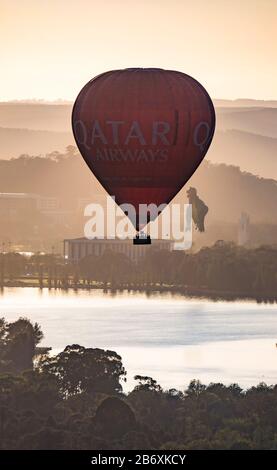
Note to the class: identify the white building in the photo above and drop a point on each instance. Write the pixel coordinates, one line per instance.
(78, 248)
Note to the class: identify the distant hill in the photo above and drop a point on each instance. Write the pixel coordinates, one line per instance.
(36, 116)
(241, 103)
(251, 152)
(226, 189)
(262, 121)
(246, 132)
(15, 142)
(57, 117)
(229, 191)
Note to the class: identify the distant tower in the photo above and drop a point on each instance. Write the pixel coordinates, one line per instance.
(243, 230)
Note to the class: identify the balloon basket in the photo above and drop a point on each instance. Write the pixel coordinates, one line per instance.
(142, 240)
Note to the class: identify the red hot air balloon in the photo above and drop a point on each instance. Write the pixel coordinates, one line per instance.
(143, 132)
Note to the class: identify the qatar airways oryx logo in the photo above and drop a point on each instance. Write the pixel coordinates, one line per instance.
(172, 221)
(122, 140)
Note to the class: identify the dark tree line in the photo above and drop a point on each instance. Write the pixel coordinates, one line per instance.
(223, 269)
(74, 400)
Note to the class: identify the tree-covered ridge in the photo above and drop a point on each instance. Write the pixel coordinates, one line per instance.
(225, 188)
(64, 180)
(74, 400)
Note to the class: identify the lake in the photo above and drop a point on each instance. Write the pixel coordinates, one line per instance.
(173, 339)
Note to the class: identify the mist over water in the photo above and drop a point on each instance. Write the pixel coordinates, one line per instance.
(171, 338)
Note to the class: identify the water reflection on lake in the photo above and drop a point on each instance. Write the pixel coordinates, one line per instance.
(171, 338)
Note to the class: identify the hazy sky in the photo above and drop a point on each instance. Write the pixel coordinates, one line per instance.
(49, 49)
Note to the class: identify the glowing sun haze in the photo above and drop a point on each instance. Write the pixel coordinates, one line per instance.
(50, 49)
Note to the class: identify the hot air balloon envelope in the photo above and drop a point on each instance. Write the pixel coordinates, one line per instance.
(143, 132)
